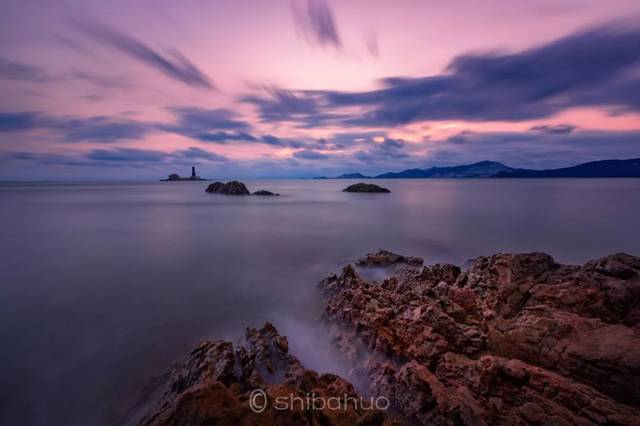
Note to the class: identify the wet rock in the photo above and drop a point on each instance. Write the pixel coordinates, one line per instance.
(214, 188)
(365, 187)
(230, 188)
(515, 339)
(386, 258)
(214, 385)
(234, 188)
(265, 193)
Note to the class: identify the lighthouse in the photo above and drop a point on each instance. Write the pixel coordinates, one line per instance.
(193, 172)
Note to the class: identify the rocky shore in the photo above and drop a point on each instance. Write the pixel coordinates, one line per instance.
(516, 339)
(219, 384)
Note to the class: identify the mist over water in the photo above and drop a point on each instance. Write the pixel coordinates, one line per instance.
(104, 285)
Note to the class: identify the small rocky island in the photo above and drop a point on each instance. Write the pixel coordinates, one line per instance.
(174, 177)
(265, 193)
(365, 187)
(235, 188)
(517, 339)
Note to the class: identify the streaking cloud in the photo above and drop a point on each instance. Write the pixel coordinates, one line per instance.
(315, 22)
(173, 64)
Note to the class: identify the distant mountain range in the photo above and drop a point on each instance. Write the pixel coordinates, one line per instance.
(493, 169)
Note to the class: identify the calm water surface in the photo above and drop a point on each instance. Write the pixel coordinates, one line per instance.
(104, 285)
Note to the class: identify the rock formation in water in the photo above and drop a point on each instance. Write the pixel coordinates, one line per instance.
(517, 339)
(219, 384)
(235, 188)
(365, 187)
(263, 192)
(230, 188)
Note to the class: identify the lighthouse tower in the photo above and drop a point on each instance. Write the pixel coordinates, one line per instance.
(193, 172)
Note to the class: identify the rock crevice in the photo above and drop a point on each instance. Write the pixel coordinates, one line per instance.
(515, 339)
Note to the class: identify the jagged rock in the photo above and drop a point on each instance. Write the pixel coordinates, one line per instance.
(265, 193)
(386, 258)
(215, 383)
(516, 339)
(365, 187)
(230, 188)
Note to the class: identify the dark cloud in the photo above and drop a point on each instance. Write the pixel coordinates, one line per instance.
(209, 125)
(102, 129)
(282, 105)
(195, 119)
(302, 107)
(127, 154)
(173, 64)
(218, 126)
(307, 154)
(194, 153)
(119, 157)
(285, 142)
(19, 121)
(44, 159)
(221, 126)
(350, 139)
(531, 84)
(389, 151)
(100, 80)
(272, 140)
(315, 22)
(12, 70)
(598, 67)
(383, 152)
(457, 139)
(224, 137)
(554, 128)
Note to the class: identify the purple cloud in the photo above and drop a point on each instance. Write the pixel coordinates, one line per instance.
(174, 64)
(12, 70)
(596, 67)
(554, 128)
(308, 154)
(315, 22)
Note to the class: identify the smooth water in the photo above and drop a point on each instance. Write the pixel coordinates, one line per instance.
(104, 285)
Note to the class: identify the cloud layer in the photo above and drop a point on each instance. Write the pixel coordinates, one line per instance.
(92, 92)
(598, 67)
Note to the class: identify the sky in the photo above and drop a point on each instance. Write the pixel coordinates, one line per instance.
(302, 88)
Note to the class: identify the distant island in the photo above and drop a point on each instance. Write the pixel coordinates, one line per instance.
(174, 177)
(493, 169)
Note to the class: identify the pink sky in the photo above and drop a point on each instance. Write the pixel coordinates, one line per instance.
(57, 67)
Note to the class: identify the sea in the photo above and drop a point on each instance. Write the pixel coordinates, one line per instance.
(104, 285)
